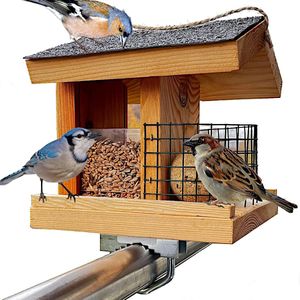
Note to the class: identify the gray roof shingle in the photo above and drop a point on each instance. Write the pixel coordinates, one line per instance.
(214, 32)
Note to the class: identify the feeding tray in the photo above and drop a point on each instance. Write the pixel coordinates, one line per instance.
(177, 220)
(167, 73)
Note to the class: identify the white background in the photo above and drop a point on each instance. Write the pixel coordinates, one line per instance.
(263, 265)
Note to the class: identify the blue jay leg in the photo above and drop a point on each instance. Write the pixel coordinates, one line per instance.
(70, 195)
(42, 195)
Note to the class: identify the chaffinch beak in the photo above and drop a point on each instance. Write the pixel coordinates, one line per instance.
(123, 40)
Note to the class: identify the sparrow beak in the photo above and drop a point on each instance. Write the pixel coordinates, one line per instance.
(191, 143)
(95, 135)
(123, 40)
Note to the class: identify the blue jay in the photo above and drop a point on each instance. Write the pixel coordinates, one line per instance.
(59, 160)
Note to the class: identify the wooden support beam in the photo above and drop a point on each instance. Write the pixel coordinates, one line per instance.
(142, 218)
(66, 119)
(165, 100)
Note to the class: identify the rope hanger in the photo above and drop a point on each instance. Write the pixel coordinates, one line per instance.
(208, 20)
(204, 21)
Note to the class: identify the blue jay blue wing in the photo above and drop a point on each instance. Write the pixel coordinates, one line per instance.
(51, 150)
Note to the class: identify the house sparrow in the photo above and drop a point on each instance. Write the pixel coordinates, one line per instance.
(226, 175)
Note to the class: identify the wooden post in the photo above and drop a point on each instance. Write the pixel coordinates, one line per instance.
(165, 99)
(66, 120)
(95, 104)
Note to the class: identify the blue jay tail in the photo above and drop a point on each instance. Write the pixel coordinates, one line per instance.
(13, 176)
(286, 205)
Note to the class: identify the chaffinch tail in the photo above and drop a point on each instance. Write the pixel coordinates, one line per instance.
(59, 160)
(91, 19)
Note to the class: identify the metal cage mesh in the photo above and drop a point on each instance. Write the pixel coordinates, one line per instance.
(169, 171)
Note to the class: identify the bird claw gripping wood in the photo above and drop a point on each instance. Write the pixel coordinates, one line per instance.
(42, 197)
(72, 197)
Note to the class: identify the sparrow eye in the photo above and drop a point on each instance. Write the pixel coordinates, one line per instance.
(120, 29)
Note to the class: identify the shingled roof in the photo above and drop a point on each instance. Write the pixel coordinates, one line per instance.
(214, 32)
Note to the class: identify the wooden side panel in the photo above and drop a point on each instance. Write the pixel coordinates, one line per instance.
(259, 78)
(66, 120)
(133, 90)
(166, 99)
(101, 104)
(96, 104)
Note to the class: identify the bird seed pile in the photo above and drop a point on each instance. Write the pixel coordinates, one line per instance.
(113, 170)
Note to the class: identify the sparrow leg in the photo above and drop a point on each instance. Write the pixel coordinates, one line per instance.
(216, 203)
(70, 195)
(42, 195)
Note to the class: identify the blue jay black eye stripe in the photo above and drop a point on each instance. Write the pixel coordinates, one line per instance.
(70, 140)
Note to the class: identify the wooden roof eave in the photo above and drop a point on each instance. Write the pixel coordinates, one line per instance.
(245, 68)
(166, 61)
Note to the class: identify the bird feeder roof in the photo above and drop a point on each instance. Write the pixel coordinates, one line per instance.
(214, 32)
(231, 58)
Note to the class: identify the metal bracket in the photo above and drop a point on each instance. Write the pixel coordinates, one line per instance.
(174, 252)
(162, 280)
(165, 248)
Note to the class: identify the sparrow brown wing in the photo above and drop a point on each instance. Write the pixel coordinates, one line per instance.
(230, 169)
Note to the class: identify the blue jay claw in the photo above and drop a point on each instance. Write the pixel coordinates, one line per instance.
(72, 197)
(42, 197)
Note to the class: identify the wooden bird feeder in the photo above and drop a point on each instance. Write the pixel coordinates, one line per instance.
(168, 73)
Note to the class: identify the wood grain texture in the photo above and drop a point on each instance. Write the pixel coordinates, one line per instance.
(133, 90)
(251, 42)
(193, 59)
(259, 78)
(158, 219)
(66, 120)
(101, 104)
(161, 101)
(122, 205)
(250, 218)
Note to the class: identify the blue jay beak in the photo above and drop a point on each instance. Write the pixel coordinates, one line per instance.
(94, 135)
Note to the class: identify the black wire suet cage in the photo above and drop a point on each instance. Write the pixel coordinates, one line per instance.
(169, 171)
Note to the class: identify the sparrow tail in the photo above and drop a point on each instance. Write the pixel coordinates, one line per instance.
(286, 205)
(14, 176)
